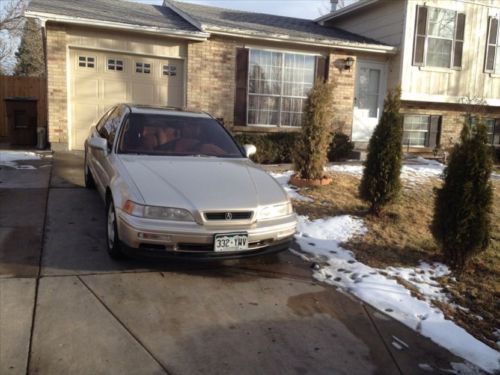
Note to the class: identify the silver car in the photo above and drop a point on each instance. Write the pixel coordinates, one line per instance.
(176, 184)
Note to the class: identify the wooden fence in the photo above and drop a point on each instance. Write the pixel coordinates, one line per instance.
(32, 87)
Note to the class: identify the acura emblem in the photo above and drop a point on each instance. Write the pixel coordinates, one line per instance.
(229, 216)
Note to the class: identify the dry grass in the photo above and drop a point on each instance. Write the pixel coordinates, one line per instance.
(402, 238)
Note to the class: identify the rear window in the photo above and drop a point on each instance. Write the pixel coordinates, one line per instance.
(170, 135)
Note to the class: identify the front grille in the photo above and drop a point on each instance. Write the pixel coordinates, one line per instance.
(229, 215)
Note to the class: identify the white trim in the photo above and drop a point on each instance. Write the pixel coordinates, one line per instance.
(284, 50)
(44, 17)
(444, 99)
(345, 10)
(333, 44)
(68, 98)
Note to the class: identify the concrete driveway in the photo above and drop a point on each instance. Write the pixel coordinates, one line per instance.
(66, 308)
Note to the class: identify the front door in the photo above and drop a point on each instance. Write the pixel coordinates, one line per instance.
(369, 99)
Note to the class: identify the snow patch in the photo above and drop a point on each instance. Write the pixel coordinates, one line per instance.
(283, 179)
(10, 159)
(321, 239)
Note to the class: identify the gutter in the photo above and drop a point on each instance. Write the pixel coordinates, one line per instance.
(311, 42)
(44, 17)
(345, 10)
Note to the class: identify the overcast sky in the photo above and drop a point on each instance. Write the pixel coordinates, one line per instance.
(293, 8)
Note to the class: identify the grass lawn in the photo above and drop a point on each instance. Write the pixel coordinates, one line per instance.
(402, 238)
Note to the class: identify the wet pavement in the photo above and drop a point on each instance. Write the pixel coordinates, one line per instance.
(67, 308)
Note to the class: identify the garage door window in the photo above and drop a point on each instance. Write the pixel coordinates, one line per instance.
(169, 70)
(143, 68)
(86, 62)
(115, 65)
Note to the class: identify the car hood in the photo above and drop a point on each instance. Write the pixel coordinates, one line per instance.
(200, 183)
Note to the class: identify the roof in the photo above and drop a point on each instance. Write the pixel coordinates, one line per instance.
(159, 110)
(114, 12)
(213, 19)
(361, 4)
(198, 22)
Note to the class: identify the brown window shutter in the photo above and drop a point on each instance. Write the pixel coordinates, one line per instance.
(496, 132)
(321, 68)
(240, 101)
(491, 43)
(434, 131)
(420, 35)
(459, 41)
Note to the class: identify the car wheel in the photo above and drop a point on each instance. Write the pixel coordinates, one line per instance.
(113, 243)
(89, 180)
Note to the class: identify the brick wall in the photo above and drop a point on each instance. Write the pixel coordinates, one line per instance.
(56, 84)
(343, 97)
(211, 77)
(453, 117)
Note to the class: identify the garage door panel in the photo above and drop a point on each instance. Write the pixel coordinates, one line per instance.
(86, 89)
(94, 90)
(143, 93)
(114, 90)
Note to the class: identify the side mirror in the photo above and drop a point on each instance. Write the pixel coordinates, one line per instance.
(249, 150)
(98, 143)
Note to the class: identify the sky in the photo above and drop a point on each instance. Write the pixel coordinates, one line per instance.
(292, 8)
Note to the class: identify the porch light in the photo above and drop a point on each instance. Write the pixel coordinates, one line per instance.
(348, 63)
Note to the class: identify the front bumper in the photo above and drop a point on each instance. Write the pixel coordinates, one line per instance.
(191, 240)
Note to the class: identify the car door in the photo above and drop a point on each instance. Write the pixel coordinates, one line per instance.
(104, 160)
(90, 152)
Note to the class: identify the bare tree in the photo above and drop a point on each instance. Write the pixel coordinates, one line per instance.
(11, 26)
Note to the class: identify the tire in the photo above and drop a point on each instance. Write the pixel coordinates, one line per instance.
(87, 174)
(113, 243)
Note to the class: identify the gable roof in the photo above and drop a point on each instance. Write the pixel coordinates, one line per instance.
(213, 19)
(113, 13)
(198, 22)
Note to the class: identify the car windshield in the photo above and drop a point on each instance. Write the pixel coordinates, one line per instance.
(171, 135)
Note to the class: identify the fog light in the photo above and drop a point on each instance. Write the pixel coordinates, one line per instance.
(152, 236)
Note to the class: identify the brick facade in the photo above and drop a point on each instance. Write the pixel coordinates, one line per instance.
(211, 77)
(452, 120)
(343, 97)
(57, 96)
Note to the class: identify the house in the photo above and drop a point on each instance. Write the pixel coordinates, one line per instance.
(251, 70)
(447, 64)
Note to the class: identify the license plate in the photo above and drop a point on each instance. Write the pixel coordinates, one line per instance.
(231, 242)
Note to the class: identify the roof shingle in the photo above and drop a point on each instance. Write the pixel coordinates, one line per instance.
(113, 11)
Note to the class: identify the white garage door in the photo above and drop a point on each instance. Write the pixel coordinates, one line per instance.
(100, 80)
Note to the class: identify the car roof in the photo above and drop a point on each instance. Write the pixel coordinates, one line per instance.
(165, 110)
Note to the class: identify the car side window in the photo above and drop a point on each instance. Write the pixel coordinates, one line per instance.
(102, 121)
(112, 123)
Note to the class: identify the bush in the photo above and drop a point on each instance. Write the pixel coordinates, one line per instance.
(310, 153)
(272, 148)
(340, 147)
(461, 222)
(381, 176)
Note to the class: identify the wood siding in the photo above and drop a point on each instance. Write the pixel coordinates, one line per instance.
(383, 21)
(447, 85)
(23, 87)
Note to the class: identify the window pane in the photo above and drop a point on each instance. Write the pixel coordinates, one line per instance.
(439, 52)
(278, 82)
(441, 23)
(415, 130)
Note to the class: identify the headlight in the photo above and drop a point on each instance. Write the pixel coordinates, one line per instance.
(275, 211)
(160, 213)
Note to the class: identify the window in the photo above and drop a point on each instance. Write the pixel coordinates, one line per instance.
(493, 128)
(115, 65)
(108, 130)
(439, 38)
(421, 130)
(86, 62)
(492, 60)
(144, 68)
(169, 70)
(278, 84)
